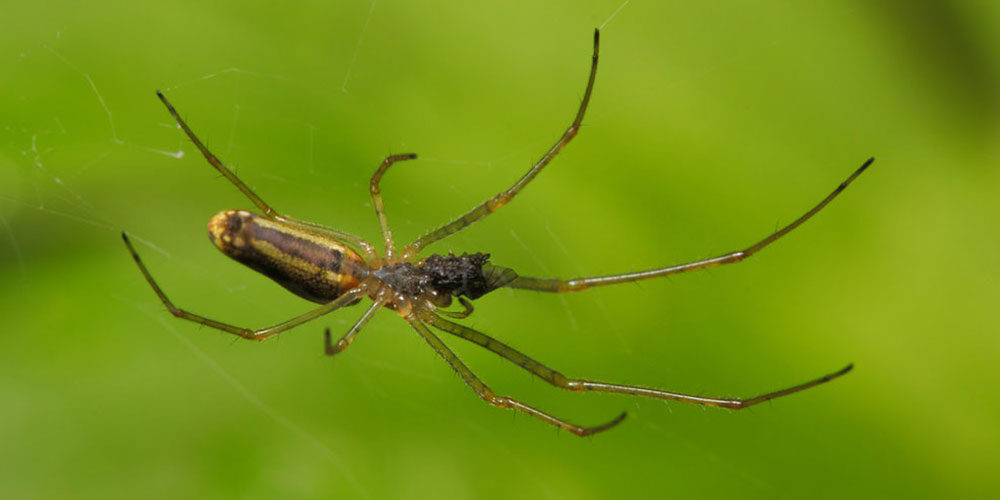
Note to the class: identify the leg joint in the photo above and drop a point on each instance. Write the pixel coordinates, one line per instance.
(498, 401)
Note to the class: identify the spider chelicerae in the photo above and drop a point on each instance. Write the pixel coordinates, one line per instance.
(337, 269)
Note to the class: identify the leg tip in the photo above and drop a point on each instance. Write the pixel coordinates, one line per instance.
(164, 100)
(619, 418)
(328, 346)
(839, 373)
(128, 243)
(603, 427)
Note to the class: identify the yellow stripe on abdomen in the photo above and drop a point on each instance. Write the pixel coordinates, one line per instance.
(311, 265)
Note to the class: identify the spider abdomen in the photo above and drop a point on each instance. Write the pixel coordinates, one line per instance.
(311, 265)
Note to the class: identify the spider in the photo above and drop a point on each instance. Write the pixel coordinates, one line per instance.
(336, 269)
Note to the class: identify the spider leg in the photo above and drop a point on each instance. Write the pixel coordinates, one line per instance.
(467, 310)
(261, 334)
(348, 337)
(215, 162)
(492, 398)
(367, 249)
(576, 284)
(500, 199)
(376, 191)
(559, 380)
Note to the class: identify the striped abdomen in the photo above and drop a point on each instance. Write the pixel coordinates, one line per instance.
(310, 265)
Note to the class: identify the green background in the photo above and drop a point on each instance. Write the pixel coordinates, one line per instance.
(711, 124)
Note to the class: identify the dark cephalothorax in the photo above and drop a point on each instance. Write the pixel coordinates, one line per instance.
(471, 276)
(468, 275)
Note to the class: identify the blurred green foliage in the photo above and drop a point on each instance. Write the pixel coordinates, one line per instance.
(710, 125)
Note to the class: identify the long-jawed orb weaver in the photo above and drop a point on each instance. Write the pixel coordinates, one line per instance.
(337, 269)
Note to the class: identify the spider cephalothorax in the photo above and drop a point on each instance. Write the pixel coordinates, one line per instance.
(338, 269)
(446, 276)
(433, 282)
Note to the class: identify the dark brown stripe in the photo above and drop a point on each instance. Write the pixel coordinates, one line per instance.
(317, 270)
(294, 246)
